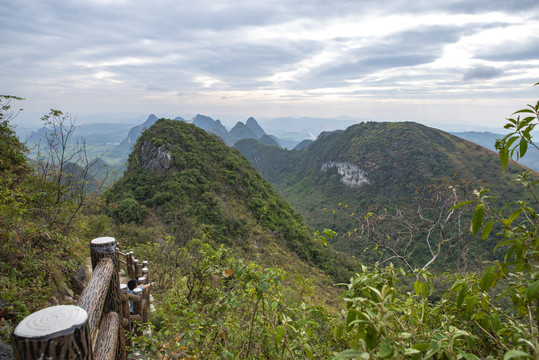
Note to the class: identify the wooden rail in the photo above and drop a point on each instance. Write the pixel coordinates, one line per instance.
(94, 329)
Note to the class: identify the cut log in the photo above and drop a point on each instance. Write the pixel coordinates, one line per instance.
(58, 332)
(93, 297)
(107, 341)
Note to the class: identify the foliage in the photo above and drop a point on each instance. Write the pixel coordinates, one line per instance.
(519, 269)
(37, 257)
(213, 305)
(386, 323)
(63, 160)
(431, 235)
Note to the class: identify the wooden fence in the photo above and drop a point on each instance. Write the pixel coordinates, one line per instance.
(94, 329)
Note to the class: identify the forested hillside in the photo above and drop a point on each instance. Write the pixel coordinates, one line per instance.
(199, 186)
(395, 173)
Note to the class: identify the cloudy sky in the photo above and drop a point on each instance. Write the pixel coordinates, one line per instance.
(450, 64)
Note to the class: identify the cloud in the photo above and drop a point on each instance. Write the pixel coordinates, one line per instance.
(87, 54)
(482, 72)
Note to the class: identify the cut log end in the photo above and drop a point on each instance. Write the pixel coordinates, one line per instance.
(58, 332)
(51, 322)
(103, 240)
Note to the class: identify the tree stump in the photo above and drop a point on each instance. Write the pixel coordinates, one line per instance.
(58, 332)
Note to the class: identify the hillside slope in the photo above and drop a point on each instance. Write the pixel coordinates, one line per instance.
(198, 186)
(374, 166)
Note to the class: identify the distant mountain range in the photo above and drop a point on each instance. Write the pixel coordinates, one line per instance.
(248, 130)
(116, 141)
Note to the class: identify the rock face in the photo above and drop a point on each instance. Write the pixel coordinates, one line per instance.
(155, 158)
(352, 175)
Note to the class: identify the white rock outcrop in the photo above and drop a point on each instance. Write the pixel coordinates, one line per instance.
(153, 157)
(352, 175)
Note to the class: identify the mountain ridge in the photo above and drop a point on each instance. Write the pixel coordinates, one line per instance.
(374, 166)
(198, 185)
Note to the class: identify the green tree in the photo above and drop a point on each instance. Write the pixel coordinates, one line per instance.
(519, 222)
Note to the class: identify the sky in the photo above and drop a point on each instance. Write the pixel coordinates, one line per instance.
(455, 65)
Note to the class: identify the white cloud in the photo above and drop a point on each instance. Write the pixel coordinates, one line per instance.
(303, 57)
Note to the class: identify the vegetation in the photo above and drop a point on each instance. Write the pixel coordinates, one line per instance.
(413, 171)
(38, 250)
(234, 263)
(199, 186)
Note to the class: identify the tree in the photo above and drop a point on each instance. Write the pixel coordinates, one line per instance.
(11, 149)
(519, 222)
(418, 235)
(63, 160)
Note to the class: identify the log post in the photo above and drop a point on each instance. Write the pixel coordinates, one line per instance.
(137, 307)
(105, 248)
(131, 270)
(125, 307)
(145, 273)
(138, 269)
(58, 332)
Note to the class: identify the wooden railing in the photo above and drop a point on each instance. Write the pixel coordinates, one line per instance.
(94, 329)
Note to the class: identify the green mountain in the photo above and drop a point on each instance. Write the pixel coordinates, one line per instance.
(372, 166)
(241, 131)
(196, 185)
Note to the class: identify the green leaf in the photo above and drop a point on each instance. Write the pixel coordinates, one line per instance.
(487, 229)
(488, 278)
(386, 348)
(308, 351)
(421, 346)
(434, 347)
(425, 290)
(352, 315)
(531, 292)
(504, 158)
(524, 111)
(371, 337)
(417, 287)
(513, 216)
(348, 354)
(462, 204)
(516, 353)
(462, 295)
(279, 333)
(411, 351)
(478, 217)
(495, 319)
(471, 301)
(339, 331)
